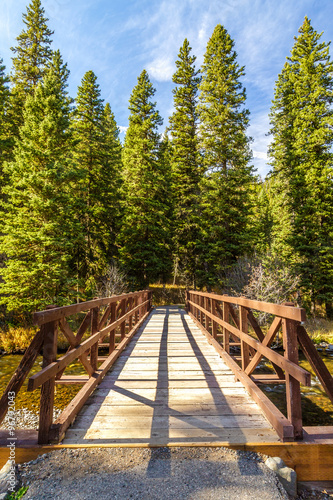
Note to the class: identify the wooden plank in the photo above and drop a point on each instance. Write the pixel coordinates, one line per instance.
(140, 422)
(68, 415)
(267, 341)
(293, 390)
(74, 341)
(72, 379)
(281, 424)
(105, 316)
(21, 372)
(61, 312)
(165, 437)
(243, 325)
(267, 378)
(51, 370)
(315, 361)
(293, 313)
(296, 371)
(94, 330)
(47, 390)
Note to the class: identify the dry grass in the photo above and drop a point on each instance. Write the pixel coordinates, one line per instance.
(320, 330)
(16, 338)
(168, 295)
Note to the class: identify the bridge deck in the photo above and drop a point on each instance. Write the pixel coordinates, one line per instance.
(170, 387)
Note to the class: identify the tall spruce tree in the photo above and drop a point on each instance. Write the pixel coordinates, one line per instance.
(226, 154)
(4, 125)
(185, 163)
(31, 57)
(302, 159)
(144, 235)
(39, 227)
(97, 158)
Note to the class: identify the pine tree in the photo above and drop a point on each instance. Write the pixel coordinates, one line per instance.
(111, 172)
(144, 235)
(185, 163)
(32, 55)
(302, 119)
(39, 227)
(226, 155)
(4, 131)
(97, 156)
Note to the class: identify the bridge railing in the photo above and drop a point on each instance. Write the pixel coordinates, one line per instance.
(117, 317)
(225, 321)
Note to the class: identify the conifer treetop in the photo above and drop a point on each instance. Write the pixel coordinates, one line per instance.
(33, 50)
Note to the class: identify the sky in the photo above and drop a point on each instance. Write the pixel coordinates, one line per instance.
(117, 39)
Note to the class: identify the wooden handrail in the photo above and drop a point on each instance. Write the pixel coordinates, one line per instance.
(299, 373)
(41, 317)
(52, 369)
(287, 312)
(127, 316)
(210, 310)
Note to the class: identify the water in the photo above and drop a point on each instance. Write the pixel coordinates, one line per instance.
(316, 406)
(30, 400)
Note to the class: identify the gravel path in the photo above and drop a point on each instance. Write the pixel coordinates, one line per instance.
(143, 473)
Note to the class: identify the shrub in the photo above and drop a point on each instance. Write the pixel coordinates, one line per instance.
(15, 339)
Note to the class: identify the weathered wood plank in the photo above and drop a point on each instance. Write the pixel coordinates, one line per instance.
(294, 313)
(62, 312)
(294, 370)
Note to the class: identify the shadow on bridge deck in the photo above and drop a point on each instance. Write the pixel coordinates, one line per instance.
(170, 387)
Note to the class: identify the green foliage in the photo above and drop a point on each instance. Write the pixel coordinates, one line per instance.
(98, 162)
(40, 231)
(302, 119)
(4, 123)
(144, 236)
(185, 163)
(226, 200)
(31, 57)
(16, 495)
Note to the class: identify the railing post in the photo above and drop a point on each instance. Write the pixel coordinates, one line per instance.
(207, 318)
(130, 319)
(123, 324)
(50, 335)
(214, 324)
(243, 326)
(203, 316)
(293, 390)
(226, 318)
(94, 329)
(112, 338)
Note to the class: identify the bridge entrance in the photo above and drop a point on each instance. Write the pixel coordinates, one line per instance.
(170, 386)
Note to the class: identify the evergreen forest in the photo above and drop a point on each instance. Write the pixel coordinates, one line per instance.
(84, 214)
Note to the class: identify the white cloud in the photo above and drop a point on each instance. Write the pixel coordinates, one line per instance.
(161, 69)
(260, 154)
(122, 129)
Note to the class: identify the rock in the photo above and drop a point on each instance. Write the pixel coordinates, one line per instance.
(286, 475)
(288, 478)
(275, 463)
(4, 471)
(329, 348)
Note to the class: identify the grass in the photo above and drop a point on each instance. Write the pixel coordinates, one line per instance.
(17, 494)
(320, 330)
(16, 338)
(169, 294)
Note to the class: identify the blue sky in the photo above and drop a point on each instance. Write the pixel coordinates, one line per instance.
(117, 39)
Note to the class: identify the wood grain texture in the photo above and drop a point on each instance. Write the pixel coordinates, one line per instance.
(169, 386)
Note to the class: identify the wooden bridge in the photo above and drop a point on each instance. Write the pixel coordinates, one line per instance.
(175, 377)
